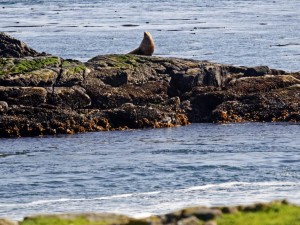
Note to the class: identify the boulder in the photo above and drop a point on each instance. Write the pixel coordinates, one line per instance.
(68, 97)
(30, 96)
(189, 221)
(202, 213)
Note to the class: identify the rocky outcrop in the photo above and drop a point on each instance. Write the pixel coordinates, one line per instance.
(44, 94)
(11, 47)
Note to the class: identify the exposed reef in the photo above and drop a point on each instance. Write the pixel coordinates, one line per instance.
(275, 213)
(43, 94)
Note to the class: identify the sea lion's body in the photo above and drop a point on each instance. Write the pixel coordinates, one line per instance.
(146, 47)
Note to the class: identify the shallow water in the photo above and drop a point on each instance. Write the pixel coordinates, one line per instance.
(142, 172)
(240, 32)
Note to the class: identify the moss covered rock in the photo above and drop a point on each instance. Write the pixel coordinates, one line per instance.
(11, 66)
(72, 73)
(129, 91)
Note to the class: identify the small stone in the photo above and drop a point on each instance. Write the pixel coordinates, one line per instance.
(212, 222)
(186, 105)
(189, 221)
(3, 105)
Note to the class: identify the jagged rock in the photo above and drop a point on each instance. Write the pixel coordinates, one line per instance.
(13, 48)
(277, 105)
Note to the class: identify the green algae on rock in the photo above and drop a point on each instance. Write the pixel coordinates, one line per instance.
(116, 92)
(11, 66)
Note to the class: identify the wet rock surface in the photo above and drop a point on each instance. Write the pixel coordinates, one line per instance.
(43, 94)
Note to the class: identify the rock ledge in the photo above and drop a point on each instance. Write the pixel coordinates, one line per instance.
(42, 94)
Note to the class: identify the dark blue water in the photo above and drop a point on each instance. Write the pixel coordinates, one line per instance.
(240, 32)
(142, 172)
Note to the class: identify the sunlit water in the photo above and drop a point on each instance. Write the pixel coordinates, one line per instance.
(240, 32)
(153, 171)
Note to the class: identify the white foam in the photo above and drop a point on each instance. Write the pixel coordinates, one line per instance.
(212, 187)
(238, 184)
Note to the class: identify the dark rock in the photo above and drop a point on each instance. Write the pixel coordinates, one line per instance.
(229, 209)
(205, 74)
(203, 105)
(74, 97)
(257, 71)
(50, 95)
(30, 96)
(13, 48)
(278, 105)
(202, 213)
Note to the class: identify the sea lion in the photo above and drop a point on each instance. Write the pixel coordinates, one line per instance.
(146, 47)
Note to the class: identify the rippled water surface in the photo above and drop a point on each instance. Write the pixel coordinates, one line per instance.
(155, 171)
(142, 172)
(240, 32)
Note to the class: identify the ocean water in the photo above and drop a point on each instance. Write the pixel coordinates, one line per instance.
(152, 171)
(143, 172)
(239, 32)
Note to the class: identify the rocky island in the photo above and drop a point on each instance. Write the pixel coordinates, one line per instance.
(42, 94)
